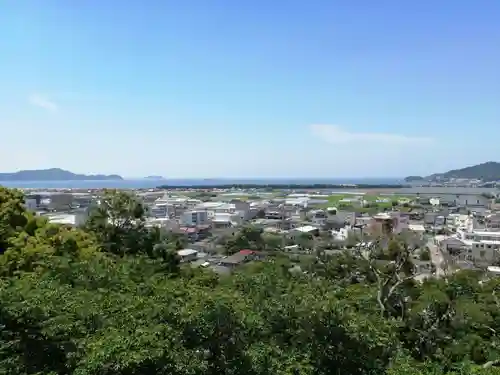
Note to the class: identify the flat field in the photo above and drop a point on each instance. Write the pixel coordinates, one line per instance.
(376, 201)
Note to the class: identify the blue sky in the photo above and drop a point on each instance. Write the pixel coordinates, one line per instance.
(222, 88)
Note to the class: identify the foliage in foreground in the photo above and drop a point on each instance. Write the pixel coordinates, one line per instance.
(113, 299)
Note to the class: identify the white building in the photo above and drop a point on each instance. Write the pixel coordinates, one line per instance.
(318, 217)
(458, 220)
(342, 234)
(213, 208)
(482, 247)
(187, 255)
(242, 209)
(178, 201)
(226, 220)
(494, 271)
(75, 219)
(195, 217)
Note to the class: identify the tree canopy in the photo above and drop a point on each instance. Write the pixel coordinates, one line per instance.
(112, 298)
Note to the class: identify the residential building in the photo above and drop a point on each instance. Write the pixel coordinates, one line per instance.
(193, 218)
(241, 257)
(318, 217)
(386, 223)
(226, 220)
(483, 247)
(278, 215)
(457, 220)
(342, 234)
(454, 247)
(52, 200)
(75, 218)
(493, 221)
(161, 210)
(245, 210)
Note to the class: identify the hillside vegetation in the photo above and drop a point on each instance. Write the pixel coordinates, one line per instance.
(111, 298)
(489, 171)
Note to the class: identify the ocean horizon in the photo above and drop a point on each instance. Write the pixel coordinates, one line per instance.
(150, 184)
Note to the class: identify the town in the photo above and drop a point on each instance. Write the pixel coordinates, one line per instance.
(448, 228)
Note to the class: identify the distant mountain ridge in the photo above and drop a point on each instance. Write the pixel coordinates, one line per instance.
(54, 174)
(489, 171)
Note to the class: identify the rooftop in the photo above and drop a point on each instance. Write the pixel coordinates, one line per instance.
(306, 229)
(68, 219)
(186, 252)
(246, 252)
(494, 269)
(382, 216)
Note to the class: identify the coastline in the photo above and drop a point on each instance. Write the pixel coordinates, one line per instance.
(188, 183)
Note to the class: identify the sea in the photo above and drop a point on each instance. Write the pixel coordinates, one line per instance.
(150, 183)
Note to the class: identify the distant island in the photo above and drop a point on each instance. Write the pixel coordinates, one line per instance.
(154, 178)
(54, 174)
(486, 172)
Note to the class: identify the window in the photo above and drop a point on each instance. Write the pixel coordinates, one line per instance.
(482, 253)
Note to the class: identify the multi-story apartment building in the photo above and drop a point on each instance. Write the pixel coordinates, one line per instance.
(194, 218)
(386, 223)
(481, 247)
(160, 210)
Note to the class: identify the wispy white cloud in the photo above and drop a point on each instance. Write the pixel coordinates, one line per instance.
(42, 101)
(338, 135)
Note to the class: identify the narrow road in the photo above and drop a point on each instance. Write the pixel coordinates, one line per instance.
(436, 257)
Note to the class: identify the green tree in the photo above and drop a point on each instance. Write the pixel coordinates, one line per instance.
(247, 238)
(168, 257)
(113, 299)
(13, 216)
(118, 222)
(425, 254)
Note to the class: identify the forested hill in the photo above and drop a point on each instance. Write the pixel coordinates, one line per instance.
(489, 171)
(53, 174)
(112, 298)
